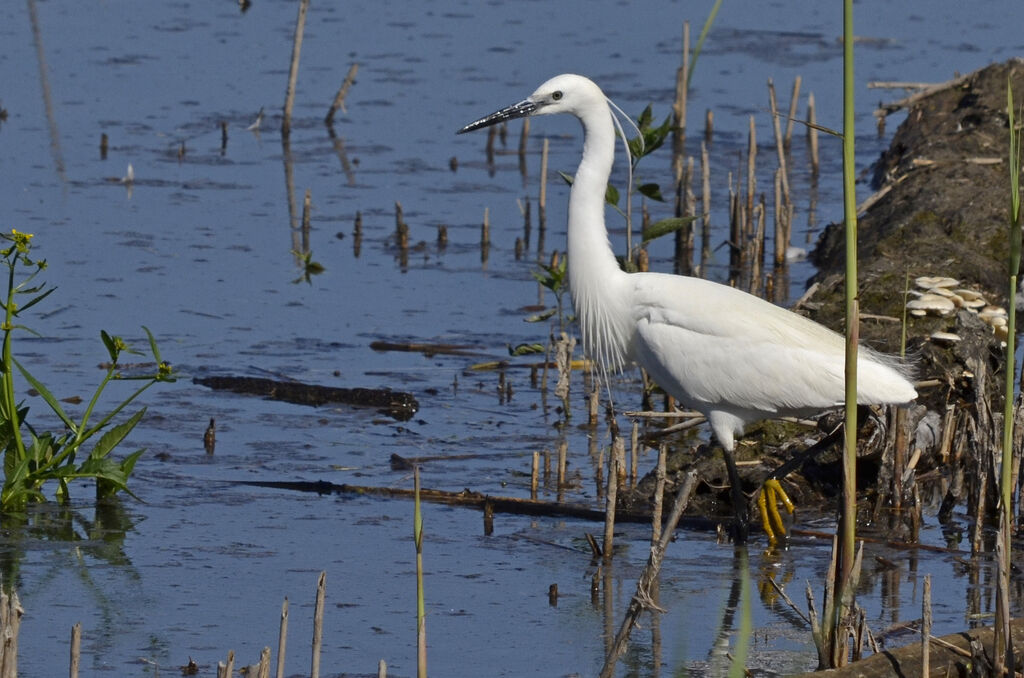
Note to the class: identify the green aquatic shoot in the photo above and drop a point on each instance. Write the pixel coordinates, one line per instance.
(1003, 648)
(33, 458)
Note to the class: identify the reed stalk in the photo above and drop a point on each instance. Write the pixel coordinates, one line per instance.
(1004, 648)
(421, 615)
(848, 527)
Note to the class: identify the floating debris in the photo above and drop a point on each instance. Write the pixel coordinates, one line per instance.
(397, 404)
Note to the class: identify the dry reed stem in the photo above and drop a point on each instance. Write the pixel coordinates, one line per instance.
(263, 671)
(784, 205)
(705, 235)
(751, 164)
(318, 625)
(524, 139)
(812, 133)
(293, 73)
(679, 108)
(11, 630)
(563, 453)
(382, 669)
(542, 202)
(780, 243)
(794, 101)
(339, 98)
(534, 474)
(926, 623)
(282, 639)
(307, 206)
(659, 493)
(76, 649)
(610, 497)
(757, 247)
(634, 443)
(227, 670)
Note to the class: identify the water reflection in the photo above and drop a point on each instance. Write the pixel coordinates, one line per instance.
(100, 535)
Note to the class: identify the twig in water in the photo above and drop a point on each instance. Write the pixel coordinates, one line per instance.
(789, 601)
(641, 599)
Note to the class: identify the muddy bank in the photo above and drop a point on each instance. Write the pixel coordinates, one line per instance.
(938, 209)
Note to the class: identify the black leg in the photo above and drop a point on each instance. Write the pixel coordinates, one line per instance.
(741, 521)
(798, 459)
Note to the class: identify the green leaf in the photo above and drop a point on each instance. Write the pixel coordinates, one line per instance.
(644, 121)
(111, 345)
(48, 397)
(112, 438)
(552, 277)
(566, 177)
(652, 191)
(540, 317)
(611, 195)
(152, 346)
(35, 301)
(526, 349)
(666, 226)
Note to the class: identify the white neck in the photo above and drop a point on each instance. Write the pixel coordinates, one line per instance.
(595, 279)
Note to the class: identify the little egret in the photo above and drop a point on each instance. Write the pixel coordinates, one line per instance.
(732, 356)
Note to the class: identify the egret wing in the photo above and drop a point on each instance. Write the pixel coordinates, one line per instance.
(712, 345)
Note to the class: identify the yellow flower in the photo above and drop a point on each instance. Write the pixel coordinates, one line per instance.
(21, 240)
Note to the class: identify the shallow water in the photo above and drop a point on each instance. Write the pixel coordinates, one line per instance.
(200, 251)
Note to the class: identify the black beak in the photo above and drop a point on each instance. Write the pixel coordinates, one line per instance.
(520, 110)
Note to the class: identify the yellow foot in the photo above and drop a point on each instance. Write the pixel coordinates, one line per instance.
(768, 503)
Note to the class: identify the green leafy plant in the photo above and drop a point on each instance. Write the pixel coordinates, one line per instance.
(554, 277)
(32, 458)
